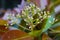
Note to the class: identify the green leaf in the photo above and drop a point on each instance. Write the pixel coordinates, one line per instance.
(48, 24)
(56, 24)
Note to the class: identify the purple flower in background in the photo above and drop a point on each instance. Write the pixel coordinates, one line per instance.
(57, 9)
(43, 4)
(20, 7)
(17, 10)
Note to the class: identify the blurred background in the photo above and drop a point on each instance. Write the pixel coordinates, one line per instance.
(10, 9)
(4, 4)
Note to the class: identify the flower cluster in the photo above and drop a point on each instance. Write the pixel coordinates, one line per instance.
(32, 15)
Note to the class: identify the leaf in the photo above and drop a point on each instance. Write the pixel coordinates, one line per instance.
(48, 24)
(25, 38)
(15, 34)
(55, 25)
(3, 29)
(3, 22)
(57, 28)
